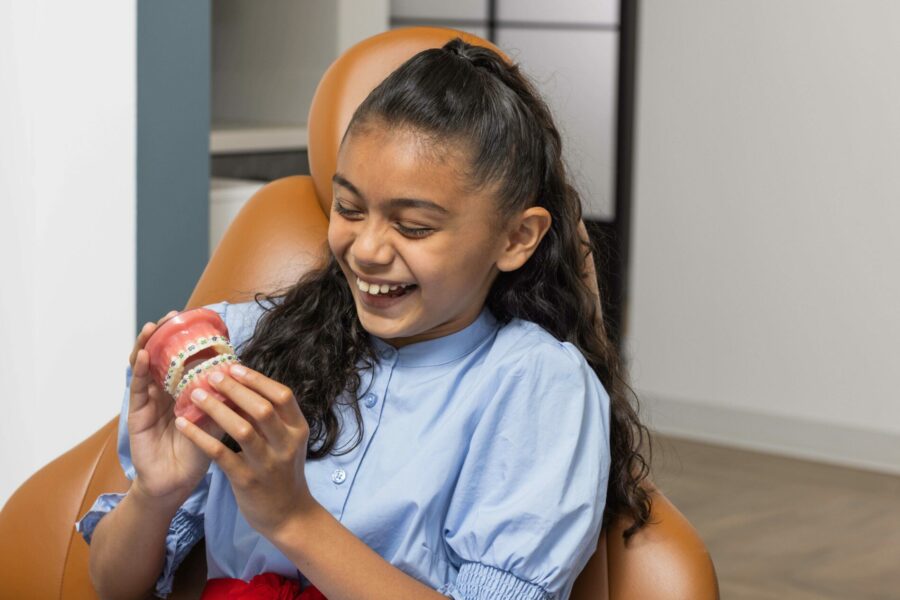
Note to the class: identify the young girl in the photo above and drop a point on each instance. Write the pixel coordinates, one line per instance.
(437, 411)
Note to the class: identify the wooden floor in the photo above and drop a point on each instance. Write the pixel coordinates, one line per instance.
(785, 529)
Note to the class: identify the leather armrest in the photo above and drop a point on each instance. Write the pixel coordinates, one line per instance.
(665, 559)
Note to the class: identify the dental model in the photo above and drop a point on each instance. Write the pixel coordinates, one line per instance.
(184, 351)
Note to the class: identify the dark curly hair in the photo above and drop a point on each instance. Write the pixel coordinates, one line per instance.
(310, 337)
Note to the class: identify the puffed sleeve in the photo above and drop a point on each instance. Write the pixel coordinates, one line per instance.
(186, 528)
(526, 511)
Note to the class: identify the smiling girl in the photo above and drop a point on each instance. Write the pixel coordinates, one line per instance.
(435, 412)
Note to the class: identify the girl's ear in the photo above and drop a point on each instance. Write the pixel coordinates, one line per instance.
(522, 237)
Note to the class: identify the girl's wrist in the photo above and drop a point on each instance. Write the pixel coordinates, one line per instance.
(163, 503)
(295, 525)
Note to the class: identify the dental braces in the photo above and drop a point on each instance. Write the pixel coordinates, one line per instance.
(195, 372)
(177, 364)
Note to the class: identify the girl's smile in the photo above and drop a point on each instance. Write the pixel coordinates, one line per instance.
(383, 295)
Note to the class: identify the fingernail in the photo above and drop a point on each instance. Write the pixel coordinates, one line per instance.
(171, 312)
(198, 395)
(238, 370)
(217, 377)
(180, 422)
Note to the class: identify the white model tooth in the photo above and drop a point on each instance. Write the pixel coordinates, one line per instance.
(395, 287)
(385, 288)
(374, 289)
(362, 285)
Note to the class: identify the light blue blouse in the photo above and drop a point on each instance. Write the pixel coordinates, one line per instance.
(482, 471)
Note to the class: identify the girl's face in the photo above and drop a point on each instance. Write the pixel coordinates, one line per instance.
(399, 216)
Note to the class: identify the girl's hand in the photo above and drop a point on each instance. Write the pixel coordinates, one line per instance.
(268, 476)
(168, 465)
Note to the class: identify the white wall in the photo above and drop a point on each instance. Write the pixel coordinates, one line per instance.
(765, 291)
(67, 224)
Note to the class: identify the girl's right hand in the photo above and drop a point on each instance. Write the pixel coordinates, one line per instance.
(168, 465)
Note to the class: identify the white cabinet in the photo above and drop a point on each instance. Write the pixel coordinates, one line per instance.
(560, 11)
(226, 198)
(268, 57)
(439, 9)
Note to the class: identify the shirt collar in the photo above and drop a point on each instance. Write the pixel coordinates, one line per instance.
(445, 349)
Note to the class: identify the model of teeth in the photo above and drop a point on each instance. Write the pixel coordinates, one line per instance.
(376, 289)
(184, 351)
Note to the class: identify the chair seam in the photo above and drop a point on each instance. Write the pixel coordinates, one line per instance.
(87, 486)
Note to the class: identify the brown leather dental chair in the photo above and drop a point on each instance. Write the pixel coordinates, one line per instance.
(279, 234)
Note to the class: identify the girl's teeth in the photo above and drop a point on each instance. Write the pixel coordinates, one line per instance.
(376, 289)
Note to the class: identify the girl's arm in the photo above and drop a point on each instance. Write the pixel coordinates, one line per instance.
(129, 545)
(341, 565)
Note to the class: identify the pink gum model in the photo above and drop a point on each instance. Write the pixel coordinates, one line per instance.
(184, 351)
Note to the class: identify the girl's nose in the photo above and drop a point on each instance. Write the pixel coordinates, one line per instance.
(371, 248)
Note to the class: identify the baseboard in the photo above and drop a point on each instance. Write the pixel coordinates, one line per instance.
(776, 434)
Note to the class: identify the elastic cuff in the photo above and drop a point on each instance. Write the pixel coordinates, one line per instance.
(102, 505)
(185, 531)
(477, 581)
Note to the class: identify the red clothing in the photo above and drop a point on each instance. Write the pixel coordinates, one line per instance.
(268, 586)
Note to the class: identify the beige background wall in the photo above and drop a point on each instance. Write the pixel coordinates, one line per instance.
(765, 297)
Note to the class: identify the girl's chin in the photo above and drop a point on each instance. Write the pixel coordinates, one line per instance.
(385, 327)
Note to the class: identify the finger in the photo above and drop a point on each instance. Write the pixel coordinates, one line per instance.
(261, 411)
(230, 462)
(167, 316)
(280, 396)
(140, 380)
(238, 428)
(145, 333)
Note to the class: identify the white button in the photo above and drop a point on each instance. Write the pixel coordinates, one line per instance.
(370, 400)
(339, 476)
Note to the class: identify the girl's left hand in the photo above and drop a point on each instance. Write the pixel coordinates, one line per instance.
(268, 476)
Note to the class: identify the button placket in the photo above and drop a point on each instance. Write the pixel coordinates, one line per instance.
(347, 466)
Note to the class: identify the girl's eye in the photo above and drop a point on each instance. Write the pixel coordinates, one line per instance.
(346, 212)
(416, 232)
(413, 232)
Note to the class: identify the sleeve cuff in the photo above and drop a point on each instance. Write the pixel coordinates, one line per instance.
(477, 581)
(185, 531)
(102, 505)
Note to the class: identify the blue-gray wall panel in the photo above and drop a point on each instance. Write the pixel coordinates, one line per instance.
(173, 91)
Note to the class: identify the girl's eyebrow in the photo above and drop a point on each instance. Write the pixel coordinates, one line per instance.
(393, 202)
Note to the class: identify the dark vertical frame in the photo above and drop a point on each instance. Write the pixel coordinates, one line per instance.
(173, 81)
(492, 21)
(621, 227)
